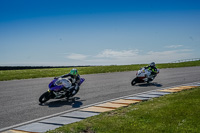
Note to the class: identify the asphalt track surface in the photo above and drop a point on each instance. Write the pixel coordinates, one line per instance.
(19, 98)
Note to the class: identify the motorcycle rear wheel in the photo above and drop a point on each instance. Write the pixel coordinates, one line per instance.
(44, 97)
(75, 92)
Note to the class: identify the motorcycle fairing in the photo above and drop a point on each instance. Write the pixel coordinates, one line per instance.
(81, 81)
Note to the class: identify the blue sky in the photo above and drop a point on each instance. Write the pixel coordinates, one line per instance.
(98, 32)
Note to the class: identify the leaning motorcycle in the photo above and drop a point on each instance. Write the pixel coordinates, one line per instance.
(59, 88)
(143, 76)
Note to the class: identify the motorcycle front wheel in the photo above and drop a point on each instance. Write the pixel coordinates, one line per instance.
(44, 97)
(133, 82)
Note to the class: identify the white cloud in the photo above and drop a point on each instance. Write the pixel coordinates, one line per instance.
(109, 53)
(169, 56)
(186, 50)
(123, 57)
(156, 56)
(75, 56)
(174, 46)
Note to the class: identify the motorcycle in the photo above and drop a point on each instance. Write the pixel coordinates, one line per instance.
(143, 75)
(59, 88)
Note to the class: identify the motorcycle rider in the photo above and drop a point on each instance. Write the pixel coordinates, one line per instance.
(153, 69)
(74, 77)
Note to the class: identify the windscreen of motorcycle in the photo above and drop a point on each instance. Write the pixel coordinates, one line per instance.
(66, 83)
(143, 73)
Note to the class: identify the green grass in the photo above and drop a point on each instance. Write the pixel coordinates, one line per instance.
(53, 72)
(174, 113)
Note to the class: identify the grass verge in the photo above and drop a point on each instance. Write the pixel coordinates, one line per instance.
(53, 72)
(174, 113)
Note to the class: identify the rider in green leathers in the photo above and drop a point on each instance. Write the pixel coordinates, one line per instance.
(153, 69)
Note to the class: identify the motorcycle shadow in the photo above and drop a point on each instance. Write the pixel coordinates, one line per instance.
(150, 84)
(74, 102)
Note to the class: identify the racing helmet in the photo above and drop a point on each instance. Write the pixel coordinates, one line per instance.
(74, 72)
(152, 64)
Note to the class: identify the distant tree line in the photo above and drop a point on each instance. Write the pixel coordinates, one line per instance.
(33, 67)
(186, 60)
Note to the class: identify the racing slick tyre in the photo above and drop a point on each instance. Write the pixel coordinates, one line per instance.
(133, 82)
(44, 97)
(75, 92)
